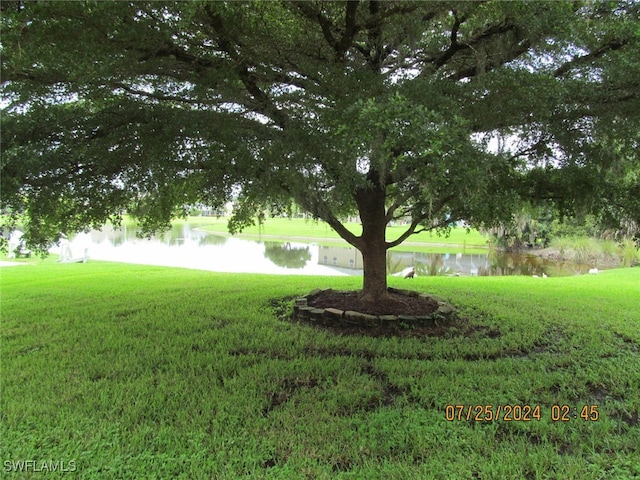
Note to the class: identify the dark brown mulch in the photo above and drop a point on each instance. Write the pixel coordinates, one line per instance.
(396, 304)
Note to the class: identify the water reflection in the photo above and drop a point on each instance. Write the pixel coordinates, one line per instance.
(286, 255)
(187, 246)
(175, 236)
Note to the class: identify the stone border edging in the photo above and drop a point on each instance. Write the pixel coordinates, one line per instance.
(331, 316)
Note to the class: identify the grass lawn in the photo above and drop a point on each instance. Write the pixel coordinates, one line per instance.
(125, 371)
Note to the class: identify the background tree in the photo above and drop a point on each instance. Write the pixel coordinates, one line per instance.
(388, 109)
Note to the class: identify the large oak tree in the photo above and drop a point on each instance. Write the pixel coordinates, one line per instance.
(429, 112)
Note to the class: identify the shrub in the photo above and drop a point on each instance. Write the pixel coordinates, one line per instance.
(561, 244)
(591, 250)
(629, 253)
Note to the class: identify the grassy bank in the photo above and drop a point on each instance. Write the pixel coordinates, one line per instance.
(144, 372)
(595, 251)
(309, 229)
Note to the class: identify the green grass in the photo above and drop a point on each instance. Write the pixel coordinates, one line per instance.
(316, 230)
(147, 372)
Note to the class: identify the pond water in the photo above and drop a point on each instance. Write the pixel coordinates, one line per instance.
(188, 247)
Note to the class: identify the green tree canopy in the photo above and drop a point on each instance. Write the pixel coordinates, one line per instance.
(427, 111)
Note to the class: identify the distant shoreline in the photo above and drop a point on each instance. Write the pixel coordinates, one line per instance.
(333, 240)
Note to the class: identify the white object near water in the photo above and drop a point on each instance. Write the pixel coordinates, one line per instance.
(16, 247)
(67, 257)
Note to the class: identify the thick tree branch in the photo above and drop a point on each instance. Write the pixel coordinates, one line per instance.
(476, 43)
(408, 232)
(611, 45)
(421, 217)
(310, 13)
(261, 101)
(319, 209)
(169, 50)
(400, 201)
(351, 28)
(162, 97)
(454, 46)
(473, 70)
(375, 52)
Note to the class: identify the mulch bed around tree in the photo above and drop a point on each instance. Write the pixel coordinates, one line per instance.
(408, 306)
(396, 305)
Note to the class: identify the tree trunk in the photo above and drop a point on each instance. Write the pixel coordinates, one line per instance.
(374, 257)
(373, 243)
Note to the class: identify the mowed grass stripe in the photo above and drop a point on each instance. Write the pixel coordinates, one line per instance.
(148, 372)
